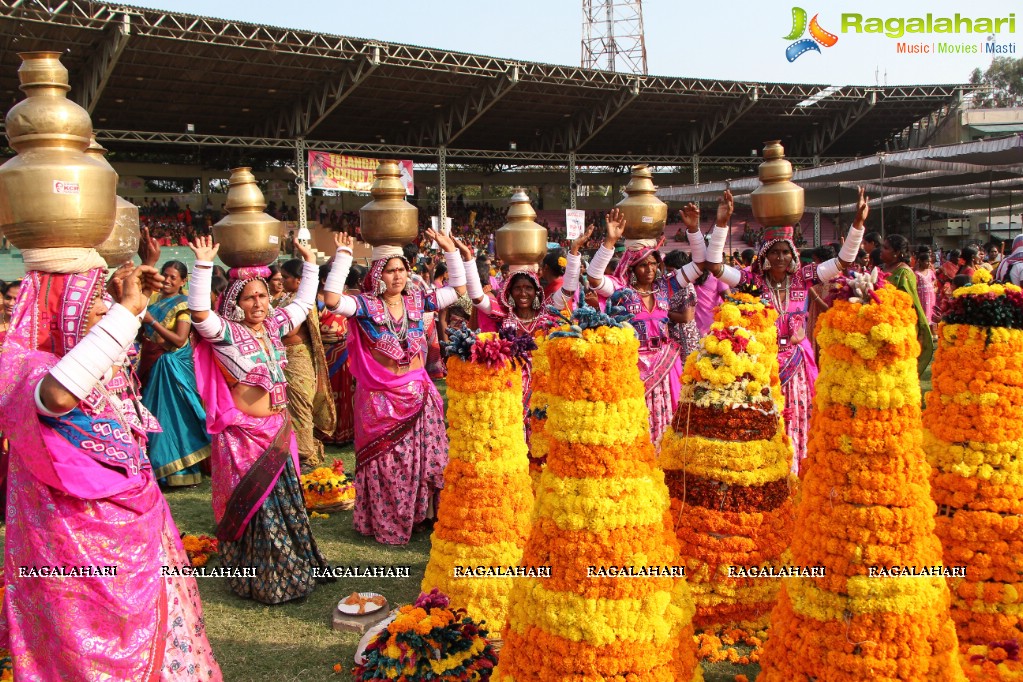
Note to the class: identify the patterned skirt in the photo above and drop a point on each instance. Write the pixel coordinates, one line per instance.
(279, 544)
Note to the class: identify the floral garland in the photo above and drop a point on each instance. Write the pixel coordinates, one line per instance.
(538, 445)
(726, 460)
(429, 641)
(973, 440)
(865, 502)
(199, 548)
(601, 502)
(483, 517)
(328, 488)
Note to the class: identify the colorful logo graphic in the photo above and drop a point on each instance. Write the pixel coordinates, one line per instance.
(818, 36)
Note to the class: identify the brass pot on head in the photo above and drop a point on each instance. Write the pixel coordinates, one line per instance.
(247, 236)
(522, 241)
(778, 201)
(388, 219)
(644, 213)
(123, 242)
(52, 194)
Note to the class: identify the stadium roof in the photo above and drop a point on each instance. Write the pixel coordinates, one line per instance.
(145, 74)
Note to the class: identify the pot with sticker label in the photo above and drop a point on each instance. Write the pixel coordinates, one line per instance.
(645, 214)
(247, 235)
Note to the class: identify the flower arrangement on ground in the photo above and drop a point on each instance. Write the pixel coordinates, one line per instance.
(973, 438)
(865, 511)
(726, 462)
(328, 489)
(483, 517)
(199, 548)
(601, 511)
(430, 640)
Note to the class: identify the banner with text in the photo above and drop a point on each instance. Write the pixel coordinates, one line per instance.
(349, 173)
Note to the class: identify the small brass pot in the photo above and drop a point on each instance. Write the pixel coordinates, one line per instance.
(247, 236)
(645, 214)
(388, 219)
(778, 201)
(521, 241)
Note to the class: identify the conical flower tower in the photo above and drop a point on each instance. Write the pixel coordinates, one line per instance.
(973, 437)
(726, 463)
(483, 516)
(538, 445)
(613, 607)
(881, 611)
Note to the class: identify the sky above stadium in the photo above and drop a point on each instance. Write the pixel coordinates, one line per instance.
(849, 42)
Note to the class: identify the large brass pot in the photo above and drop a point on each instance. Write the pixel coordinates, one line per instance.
(778, 201)
(388, 219)
(247, 236)
(52, 194)
(522, 241)
(645, 214)
(123, 242)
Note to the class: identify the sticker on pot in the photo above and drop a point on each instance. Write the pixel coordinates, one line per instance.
(274, 239)
(61, 187)
(647, 219)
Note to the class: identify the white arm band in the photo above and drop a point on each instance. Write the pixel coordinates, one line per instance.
(561, 300)
(306, 294)
(342, 265)
(446, 296)
(599, 262)
(43, 409)
(473, 286)
(689, 273)
(212, 328)
(484, 306)
(456, 271)
(716, 250)
(200, 284)
(84, 365)
(730, 276)
(697, 246)
(346, 306)
(571, 280)
(829, 270)
(851, 247)
(605, 288)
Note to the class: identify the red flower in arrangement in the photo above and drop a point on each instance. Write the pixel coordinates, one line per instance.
(739, 343)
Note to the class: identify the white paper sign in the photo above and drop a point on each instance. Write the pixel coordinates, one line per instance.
(434, 222)
(575, 223)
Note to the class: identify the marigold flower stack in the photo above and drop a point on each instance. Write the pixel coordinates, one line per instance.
(865, 504)
(973, 437)
(726, 464)
(601, 505)
(483, 517)
(538, 411)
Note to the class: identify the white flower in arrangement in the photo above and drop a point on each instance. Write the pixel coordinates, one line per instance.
(862, 285)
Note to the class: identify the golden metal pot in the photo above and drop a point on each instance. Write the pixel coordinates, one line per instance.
(52, 194)
(644, 213)
(247, 236)
(123, 242)
(778, 201)
(388, 219)
(522, 241)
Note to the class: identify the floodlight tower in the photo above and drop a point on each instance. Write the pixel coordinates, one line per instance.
(613, 35)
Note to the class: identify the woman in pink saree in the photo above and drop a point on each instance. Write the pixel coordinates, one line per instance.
(777, 272)
(400, 443)
(239, 364)
(83, 498)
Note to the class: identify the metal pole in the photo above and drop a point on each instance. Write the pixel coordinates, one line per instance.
(881, 156)
(303, 222)
(571, 180)
(696, 169)
(442, 185)
(816, 228)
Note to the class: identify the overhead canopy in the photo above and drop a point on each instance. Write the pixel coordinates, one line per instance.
(147, 75)
(972, 177)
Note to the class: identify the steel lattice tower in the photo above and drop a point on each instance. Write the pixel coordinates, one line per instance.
(613, 35)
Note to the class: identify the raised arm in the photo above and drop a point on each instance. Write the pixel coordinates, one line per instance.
(598, 264)
(830, 269)
(573, 266)
(456, 270)
(84, 366)
(333, 289)
(201, 280)
(473, 284)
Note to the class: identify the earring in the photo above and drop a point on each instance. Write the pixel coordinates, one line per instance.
(381, 287)
(536, 303)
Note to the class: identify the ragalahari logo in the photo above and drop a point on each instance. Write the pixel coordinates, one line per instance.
(818, 36)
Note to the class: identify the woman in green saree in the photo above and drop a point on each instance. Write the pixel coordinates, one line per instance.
(895, 257)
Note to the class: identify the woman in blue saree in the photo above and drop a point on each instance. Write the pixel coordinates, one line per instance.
(169, 391)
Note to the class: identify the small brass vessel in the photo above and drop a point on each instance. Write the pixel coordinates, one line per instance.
(247, 236)
(778, 201)
(388, 219)
(521, 241)
(51, 193)
(123, 242)
(644, 213)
